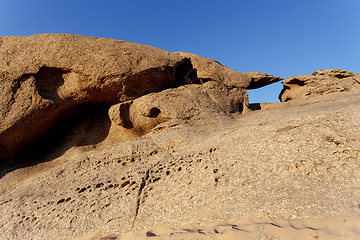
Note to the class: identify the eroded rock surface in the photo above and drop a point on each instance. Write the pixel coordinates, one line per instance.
(44, 76)
(47, 79)
(207, 69)
(319, 83)
(296, 162)
(200, 160)
(191, 102)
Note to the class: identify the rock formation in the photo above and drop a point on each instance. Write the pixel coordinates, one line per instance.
(48, 78)
(190, 102)
(319, 83)
(208, 69)
(123, 137)
(44, 76)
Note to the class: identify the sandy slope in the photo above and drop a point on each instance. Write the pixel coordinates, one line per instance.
(344, 222)
(339, 227)
(296, 160)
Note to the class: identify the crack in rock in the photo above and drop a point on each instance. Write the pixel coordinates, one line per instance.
(141, 188)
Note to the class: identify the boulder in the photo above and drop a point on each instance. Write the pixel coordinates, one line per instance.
(207, 69)
(191, 102)
(319, 83)
(45, 77)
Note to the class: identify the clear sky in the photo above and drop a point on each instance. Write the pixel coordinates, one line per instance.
(278, 37)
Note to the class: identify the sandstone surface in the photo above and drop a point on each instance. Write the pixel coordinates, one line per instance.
(298, 161)
(191, 102)
(211, 69)
(170, 142)
(319, 83)
(47, 79)
(330, 228)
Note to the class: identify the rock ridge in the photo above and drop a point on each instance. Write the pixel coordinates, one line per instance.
(319, 83)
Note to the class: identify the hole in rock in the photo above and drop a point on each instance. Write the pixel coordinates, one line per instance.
(124, 184)
(150, 234)
(48, 80)
(240, 108)
(268, 93)
(154, 112)
(125, 115)
(296, 81)
(185, 73)
(340, 76)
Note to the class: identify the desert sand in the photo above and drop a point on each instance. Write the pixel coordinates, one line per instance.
(333, 228)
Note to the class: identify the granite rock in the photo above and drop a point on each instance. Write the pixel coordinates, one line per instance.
(319, 83)
(211, 69)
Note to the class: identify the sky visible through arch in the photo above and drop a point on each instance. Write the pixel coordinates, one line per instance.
(278, 37)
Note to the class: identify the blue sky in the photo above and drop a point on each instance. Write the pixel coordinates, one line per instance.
(278, 37)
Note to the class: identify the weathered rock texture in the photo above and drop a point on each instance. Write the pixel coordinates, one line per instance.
(208, 69)
(47, 79)
(200, 160)
(44, 76)
(298, 161)
(319, 83)
(192, 102)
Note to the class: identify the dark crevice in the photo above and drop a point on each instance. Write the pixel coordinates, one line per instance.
(141, 188)
(125, 115)
(296, 81)
(255, 106)
(185, 73)
(340, 76)
(355, 80)
(150, 234)
(85, 124)
(239, 108)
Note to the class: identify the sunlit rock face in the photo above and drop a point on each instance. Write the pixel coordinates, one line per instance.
(101, 134)
(48, 78)
(319, 83)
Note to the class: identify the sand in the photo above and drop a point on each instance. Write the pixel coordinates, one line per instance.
(336, 227)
